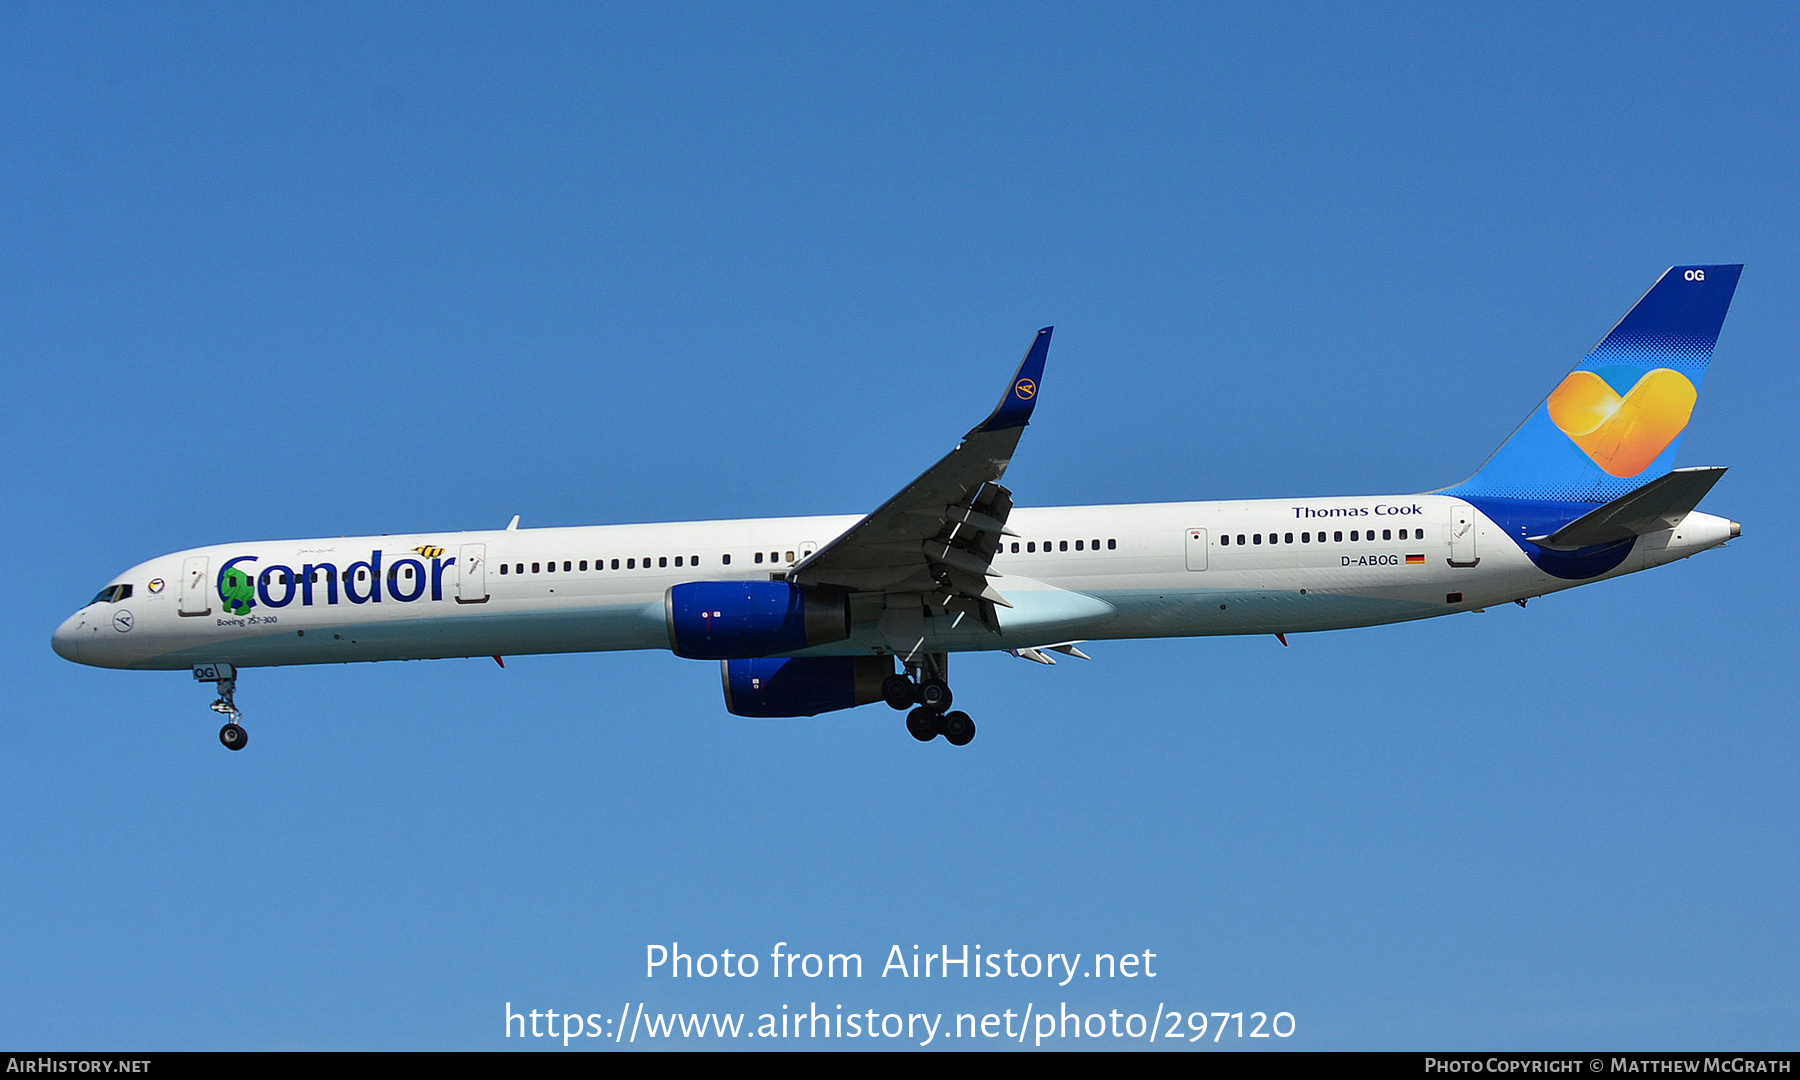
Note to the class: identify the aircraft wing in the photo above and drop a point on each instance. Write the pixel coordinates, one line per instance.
(938, 536)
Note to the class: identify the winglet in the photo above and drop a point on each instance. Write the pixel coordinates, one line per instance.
(1015, 408)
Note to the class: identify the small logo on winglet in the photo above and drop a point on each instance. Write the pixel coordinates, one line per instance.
(1025, 389)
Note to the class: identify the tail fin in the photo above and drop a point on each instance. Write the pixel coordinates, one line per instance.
(1615, 422)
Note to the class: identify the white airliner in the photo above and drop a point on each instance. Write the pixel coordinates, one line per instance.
(812, 614)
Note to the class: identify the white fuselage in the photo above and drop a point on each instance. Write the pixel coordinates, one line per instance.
(1071, 573)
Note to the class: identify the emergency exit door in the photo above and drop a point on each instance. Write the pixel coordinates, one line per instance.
(1196, 549)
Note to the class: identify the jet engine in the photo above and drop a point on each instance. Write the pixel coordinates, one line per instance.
(734, 620)
(803, 685)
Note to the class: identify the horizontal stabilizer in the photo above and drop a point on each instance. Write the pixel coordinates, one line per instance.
(1658, 505)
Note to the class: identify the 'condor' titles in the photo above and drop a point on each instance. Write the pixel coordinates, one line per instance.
(242, 586)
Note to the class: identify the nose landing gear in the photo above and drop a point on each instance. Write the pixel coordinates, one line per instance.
(925, 687)
(232, 736)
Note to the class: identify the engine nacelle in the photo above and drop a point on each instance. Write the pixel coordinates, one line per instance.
(735, 620)
(803, 685)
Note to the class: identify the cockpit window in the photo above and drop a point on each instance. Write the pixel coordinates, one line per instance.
(112, 594)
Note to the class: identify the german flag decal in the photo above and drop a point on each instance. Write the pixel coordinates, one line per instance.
(1415, 560)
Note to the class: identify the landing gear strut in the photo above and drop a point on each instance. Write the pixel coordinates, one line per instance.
(232, 735)
(924, 685)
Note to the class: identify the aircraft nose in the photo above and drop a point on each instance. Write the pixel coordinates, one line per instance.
(67, 639)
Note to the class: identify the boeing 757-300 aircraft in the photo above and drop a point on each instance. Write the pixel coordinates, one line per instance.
(809, 615)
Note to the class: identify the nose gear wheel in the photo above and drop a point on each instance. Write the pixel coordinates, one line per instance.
(232, 736)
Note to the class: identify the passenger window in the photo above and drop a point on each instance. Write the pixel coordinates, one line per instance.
(726, 559)
(631, 564)
(1015, 547)
(693, 560)
(664, 561)
(1418, 534)
(1289, 539)
(1031, 547)
(1306, 538)
(1111, 545)
(759, 556)
(549, 568)
(790, 557)
(521, 568)
(1224, 539)
(1077, 545)
(615, 564)
(1241, 540)
(566, 565)
(1094, 545)
(1387, 534)
(1338, 536)
(584, 564)
(1063, 546)
(677, 560)
(503, 568)
(537, 568)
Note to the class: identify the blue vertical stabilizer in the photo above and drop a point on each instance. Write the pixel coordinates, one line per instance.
(1615, 422)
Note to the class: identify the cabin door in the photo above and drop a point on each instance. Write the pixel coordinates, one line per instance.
(196, 586)
(1462, 536)
(471, 574)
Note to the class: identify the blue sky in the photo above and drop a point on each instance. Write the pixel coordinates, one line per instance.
(363, 269)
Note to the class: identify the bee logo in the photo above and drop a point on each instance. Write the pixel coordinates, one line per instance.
(428, 551)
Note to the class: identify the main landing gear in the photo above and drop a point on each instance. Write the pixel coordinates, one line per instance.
(923, 686)
(232, 735)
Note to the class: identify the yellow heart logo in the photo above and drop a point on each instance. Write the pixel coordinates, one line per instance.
(1623, 434)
